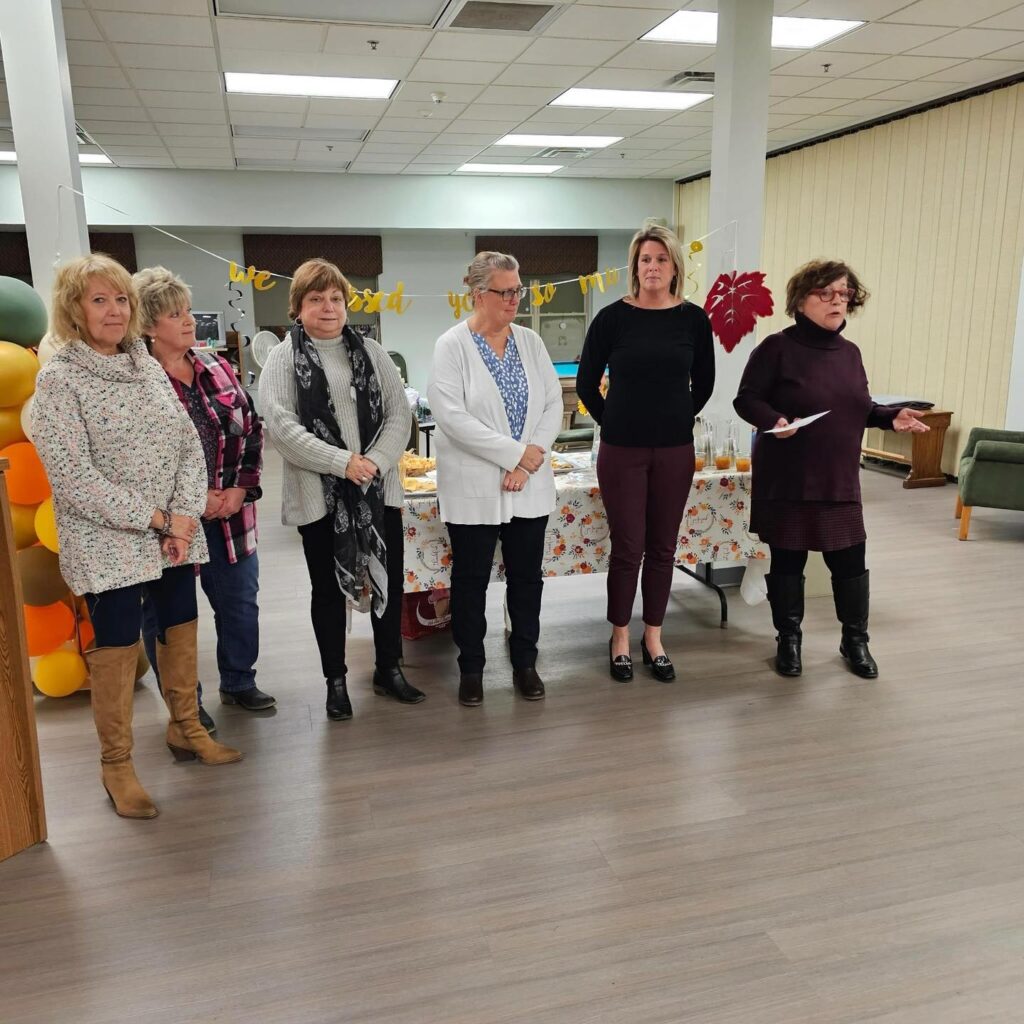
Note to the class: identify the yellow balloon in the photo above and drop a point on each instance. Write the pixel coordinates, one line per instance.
(59, 673)
(18, 369)
(10, 427)
(23, 517)
(46, 525)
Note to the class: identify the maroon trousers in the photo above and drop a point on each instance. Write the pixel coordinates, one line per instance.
(644, 492)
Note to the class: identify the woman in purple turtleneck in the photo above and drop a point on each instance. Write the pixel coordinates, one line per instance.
(806, 483)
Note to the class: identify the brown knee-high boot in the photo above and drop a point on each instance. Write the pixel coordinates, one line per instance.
(112, 675)
(186, 738)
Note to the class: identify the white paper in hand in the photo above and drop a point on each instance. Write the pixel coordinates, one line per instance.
(798, 424)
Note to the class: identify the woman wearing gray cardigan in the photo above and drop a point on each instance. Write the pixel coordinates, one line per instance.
(498, 406)
(336, 411)
(129, 485)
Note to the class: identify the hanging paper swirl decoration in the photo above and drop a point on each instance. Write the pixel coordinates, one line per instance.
(237, 295)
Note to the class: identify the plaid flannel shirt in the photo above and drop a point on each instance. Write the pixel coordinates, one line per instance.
(239, 444)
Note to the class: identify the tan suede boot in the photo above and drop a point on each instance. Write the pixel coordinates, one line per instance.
(112, 672)
(186, 738)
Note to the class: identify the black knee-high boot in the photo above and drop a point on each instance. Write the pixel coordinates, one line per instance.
(786, 596)
(852, 599)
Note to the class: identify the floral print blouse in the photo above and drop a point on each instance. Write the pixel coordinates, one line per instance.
(510, 376)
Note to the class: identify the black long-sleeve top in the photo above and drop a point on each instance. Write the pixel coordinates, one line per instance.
(661, 365)
(800, 371)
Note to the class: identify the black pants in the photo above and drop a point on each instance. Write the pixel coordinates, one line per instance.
(327, 603)
(522, 545)
(844, 564)
(117, 614)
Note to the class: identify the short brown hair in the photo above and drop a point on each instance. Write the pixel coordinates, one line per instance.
(656, 233)
(820, 274)
(315, 276)
(161, 291)
(69, 287)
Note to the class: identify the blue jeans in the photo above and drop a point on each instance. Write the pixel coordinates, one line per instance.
(169, 600)
(231, 590)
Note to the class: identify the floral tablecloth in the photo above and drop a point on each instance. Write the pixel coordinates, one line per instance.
(714, 529)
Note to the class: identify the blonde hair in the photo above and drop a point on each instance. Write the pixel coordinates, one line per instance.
(651, 232)
(479, 272)
(315, 276)
(69, 286)
(160, 292)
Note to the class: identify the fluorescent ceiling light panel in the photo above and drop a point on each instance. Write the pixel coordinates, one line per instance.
(309, 85)
(509, 168)
(787, 33)
(629, 99)
(566, 141)
(8, 156)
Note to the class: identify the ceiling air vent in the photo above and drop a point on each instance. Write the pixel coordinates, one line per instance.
(562, 153)
(685, 77)
(500, 16)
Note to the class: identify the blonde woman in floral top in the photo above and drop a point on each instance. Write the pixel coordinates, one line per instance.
(129, 486)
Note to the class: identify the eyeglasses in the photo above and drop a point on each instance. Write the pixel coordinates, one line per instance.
(828, 294)
(510, 293)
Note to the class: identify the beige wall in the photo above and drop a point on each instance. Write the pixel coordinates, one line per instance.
(929, 211)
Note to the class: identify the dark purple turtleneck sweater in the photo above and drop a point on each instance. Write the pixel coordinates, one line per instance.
(800, 371)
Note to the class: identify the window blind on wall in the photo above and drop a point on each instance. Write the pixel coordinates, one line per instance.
(545, 254)
(356, 255)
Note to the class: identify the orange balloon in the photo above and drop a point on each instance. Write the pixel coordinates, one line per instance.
(26, 478)
(47, 627)
(86, 635)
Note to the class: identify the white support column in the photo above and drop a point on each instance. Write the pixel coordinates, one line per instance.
(39, 93)
(739, 138)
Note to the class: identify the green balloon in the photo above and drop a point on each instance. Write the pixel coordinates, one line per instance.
(23, 318)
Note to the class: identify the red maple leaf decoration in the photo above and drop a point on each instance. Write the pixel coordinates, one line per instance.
(734, 303)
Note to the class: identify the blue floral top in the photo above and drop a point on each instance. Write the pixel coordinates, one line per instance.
(510, 376)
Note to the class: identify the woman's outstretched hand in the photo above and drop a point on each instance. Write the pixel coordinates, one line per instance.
(908, 421)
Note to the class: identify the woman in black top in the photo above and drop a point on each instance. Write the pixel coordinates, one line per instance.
(661, 362)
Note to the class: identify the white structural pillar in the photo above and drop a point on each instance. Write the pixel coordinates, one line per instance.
(39, 94)
(739, 138)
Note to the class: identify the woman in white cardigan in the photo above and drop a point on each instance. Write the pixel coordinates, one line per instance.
(497, 402)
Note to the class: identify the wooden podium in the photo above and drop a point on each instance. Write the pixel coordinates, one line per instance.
(22, 815)
(925, 460)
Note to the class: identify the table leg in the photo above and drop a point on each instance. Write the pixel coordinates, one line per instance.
(708, 580)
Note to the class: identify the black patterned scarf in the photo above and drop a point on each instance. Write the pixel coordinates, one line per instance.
(359, 551)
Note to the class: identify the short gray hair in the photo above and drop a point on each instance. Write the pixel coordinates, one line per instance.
(478, 274)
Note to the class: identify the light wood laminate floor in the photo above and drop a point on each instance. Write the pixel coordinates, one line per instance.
(733, 848)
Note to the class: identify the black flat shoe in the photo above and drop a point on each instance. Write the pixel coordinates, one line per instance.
(661, 667)
(253, 699)
(471, 689)
(528, 683)
(339, 707)
(620, 668)
(390, 682)
(206, 721)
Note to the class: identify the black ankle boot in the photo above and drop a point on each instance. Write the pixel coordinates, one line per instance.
(786, 596)
(390, 682)
(471, 689)
(528, 683)
(339, 707)
(852, 598)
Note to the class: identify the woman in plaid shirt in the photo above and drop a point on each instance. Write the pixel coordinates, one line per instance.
(232, 440)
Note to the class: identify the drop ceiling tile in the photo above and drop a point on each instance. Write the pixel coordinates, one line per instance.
(467, 138)
(176, 81)
(885, 38)
(85, 113)
(267, 118)
(828, 122)
(948, 12)
(393, 124)
(465, 71)
(567, 115)
(852, 88)
(104, 138)
(914, 92)
(1010, 53)
(586, 53)
(853, 10)
(98, 78)
(260, 34)
(581, 21)
(389, 149)
(155, 99)
(624, 78)
(406, 138)
(205, 162)
(340, 151)
(116, 152)
(89, 54)
(183, 59)
(391, 42)
(804, 105)
(435, 113)
(970, 42)
(503, 112)
(907, 68)
(974, 72)
(212, 147)
(420, 92)
(277, 104)
(668, 57)
(460, 45)
(868, 109)
(197, 8)
(781, 120)
(206, 131)
(839, 64)
(673, 133)
(282, 149)
(178, 115)
(428, 169)
(522, 95)
(171, 30)
(98, 126)
(145, 161)
(371, 167)
(540, 74)
(440, 159)
(1013, 19)
(79, 25)
(85, 96)
(690, 119)
(195, 140)
(794, 85)
(440, 149)
(635, 119)
(343, 107)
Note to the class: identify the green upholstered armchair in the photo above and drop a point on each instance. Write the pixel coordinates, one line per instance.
(991, 473)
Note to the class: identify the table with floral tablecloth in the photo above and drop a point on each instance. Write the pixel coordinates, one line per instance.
(714, 529)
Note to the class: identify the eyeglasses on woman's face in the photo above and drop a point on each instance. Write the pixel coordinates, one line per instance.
(828, 294)
(509, 294)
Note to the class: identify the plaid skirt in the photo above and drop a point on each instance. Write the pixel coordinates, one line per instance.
(808, 525)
